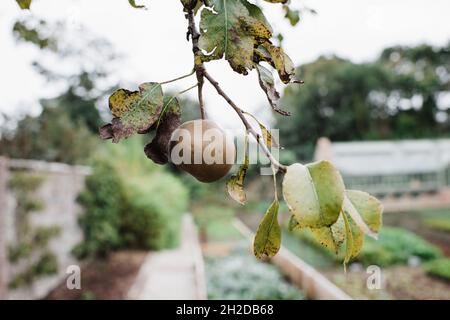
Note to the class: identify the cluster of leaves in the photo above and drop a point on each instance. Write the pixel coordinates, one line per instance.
(439, 268)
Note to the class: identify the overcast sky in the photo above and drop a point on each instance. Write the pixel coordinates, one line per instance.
(154, 46)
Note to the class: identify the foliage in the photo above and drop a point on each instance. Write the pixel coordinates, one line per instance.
(241, 277)
(396, 96)
(52, 136)
(129, 203)
(442, 224)
(439, 268)
(396, 246)
(103, 202)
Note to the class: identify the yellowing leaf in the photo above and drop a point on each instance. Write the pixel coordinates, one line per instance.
(136, 6)
(314, 193)
(267, 83)
(133, 111)
(331, 237)
(231, 29)
(268, 236)
(279, 60)
(24, 4)
(368, 207)
(235, 185)
(354, 238)
(269, 140)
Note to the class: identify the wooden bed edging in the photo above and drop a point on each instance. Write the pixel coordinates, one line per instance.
(313, 283)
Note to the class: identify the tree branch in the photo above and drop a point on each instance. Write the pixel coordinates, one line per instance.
(198, 67)
(202, 73)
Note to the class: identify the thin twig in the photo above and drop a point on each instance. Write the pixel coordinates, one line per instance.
(198, 68)
(179, 78)
(244, 120)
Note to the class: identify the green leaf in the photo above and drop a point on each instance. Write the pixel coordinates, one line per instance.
(235, 185)
(267, 83)
(24, 4)
(133, 111)
(314, 193)
(136, 6)
(292, 15)
(231, 29)
(268, 236)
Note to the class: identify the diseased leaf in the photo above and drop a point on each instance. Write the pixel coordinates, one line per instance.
(365, 210)
(235, 185)
(134, 5)
(279, 60)
(369, 207)
(269, 140)
(314, 193)
(267, 83)
(293, 224)
(232, 29)
(133, 111)
(268, 236)
(24, 4)
(331, 237)
(170, 120)
(354, 238)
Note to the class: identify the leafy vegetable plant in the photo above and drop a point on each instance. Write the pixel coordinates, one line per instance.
(238, 31)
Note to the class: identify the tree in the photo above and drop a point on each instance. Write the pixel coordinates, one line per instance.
(237, 31)
(396, 96)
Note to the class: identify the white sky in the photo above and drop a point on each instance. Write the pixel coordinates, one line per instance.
(154, 45)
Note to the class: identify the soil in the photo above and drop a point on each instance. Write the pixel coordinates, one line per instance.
(399, 283)
(107, 279)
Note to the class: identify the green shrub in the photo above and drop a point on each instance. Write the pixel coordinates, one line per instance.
(152, 219)
(439, 268)
(396, 246)
(130, 203)
(441, 224)
(103, 201)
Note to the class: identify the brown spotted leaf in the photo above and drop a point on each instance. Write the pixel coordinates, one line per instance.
(232, 29)
(278, 59)
(235, 185)
(133, 111)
